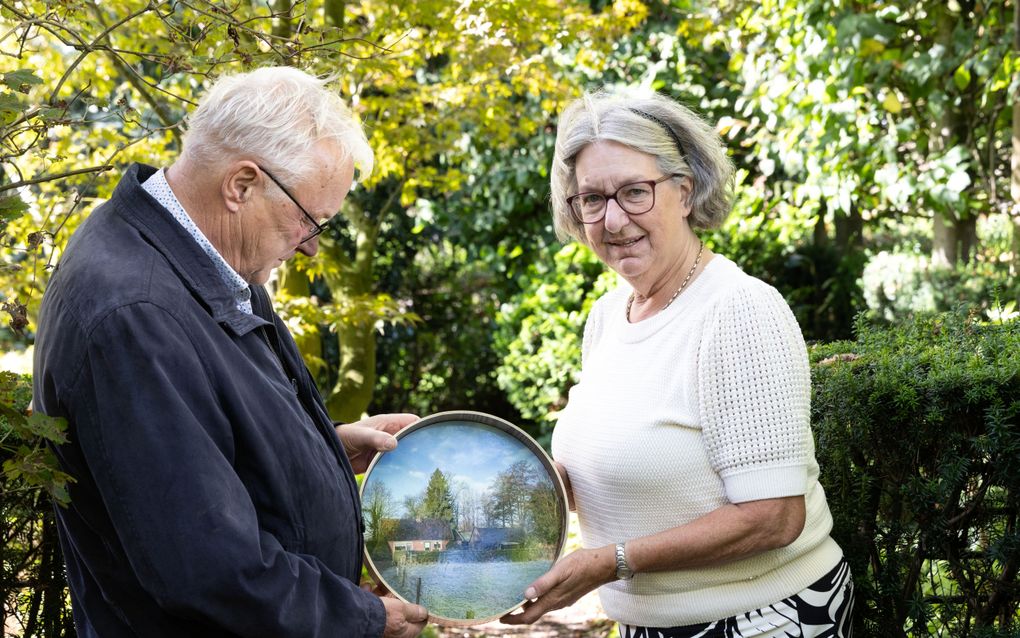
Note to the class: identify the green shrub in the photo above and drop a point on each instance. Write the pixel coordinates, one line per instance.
(898, 284)
(919, 445)
(32, 585)
(540, 331)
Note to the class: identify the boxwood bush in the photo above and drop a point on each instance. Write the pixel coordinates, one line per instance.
(918, 440)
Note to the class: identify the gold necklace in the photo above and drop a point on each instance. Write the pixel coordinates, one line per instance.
(687, 279)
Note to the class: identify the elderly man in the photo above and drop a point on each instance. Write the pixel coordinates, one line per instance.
(213, 495)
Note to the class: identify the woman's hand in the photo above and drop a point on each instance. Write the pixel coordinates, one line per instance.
(363, 439)
(570, 578)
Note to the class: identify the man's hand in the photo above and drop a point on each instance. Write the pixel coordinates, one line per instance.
(403, 620)
(363, 439)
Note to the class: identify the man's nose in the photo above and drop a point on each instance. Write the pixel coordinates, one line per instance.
(309, 247)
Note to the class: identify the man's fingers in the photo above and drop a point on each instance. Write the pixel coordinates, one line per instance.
(416, 614)
(358, 438)
(389, 423)
(403, 620)
(416, 617)
(380, 441)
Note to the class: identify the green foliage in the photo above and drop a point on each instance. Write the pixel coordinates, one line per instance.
(110, 83)
(898, 285)
(28, 463)
(456, 258)
(852, 125)
(32, 587)
(540, 331)
(918, 433)
(774, 241)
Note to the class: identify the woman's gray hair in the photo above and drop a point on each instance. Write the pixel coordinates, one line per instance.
(275, 115)
(680, 141)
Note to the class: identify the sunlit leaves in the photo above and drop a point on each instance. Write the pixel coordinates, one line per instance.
(539, 336)
(27, 461)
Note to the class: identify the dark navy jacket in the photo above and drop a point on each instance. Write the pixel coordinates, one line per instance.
(212, 495)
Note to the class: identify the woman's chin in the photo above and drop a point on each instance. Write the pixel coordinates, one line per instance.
(629, 267)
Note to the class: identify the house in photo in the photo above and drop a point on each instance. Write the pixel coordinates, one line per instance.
(409, 535)
(496, 537)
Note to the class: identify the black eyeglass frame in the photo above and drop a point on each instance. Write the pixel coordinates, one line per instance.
(317, 228)
(612, 196)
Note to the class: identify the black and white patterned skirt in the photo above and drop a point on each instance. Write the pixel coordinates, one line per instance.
(823, 610)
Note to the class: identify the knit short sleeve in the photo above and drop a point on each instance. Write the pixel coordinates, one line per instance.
(754, 384)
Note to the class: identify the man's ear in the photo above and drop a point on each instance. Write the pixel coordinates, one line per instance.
(239, 185)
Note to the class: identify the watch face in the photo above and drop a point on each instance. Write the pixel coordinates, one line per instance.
(462, 516)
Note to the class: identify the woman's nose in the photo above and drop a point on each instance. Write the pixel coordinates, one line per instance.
(616, 218)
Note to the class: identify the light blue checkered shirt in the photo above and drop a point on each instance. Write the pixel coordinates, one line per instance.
(160, 190)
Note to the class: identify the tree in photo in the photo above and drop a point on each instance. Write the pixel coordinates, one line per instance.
(437, 501)
(544, 514)
(509, 494)
(414, 508)
(470, 508)
(377, 505)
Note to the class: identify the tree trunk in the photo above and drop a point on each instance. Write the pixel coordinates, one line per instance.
(296, 284)
(334, 12)
(849, 231)
(356, 373)
(281, 24)
(943, 245)
(1014, 158)
(821, 234)
(954, 238)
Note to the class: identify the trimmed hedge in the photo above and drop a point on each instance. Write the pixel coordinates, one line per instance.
(919, 445)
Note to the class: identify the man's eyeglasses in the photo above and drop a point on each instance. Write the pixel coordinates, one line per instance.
(317, 227)
(635, 198)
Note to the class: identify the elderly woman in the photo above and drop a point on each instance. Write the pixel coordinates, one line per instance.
(686, 444)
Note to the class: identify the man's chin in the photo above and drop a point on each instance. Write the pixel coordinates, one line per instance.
(259, 277)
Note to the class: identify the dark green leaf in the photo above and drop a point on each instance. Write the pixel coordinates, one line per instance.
(21, 79)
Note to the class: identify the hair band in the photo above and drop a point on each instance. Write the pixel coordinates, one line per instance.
(666, 127)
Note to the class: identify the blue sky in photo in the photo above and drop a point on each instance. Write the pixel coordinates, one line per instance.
(469, 454)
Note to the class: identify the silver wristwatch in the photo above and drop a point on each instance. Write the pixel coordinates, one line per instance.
(623, 570)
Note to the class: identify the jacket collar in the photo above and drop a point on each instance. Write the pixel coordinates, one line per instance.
(193, 266)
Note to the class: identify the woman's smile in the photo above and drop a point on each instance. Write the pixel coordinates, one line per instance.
(624, 242)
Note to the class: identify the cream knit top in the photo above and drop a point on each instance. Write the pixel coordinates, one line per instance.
(704, 403)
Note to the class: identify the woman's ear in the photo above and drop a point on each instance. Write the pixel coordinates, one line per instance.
(240, 182)
(686, 192)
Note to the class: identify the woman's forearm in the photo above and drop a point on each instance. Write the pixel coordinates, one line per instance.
(727, 534)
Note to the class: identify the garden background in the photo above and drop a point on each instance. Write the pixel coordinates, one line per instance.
(874, 143)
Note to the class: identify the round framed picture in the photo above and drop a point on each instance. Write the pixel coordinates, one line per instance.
(462, 516)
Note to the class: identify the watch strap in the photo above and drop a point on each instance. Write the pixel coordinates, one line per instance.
(623, 570)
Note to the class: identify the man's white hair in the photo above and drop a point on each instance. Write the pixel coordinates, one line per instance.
(273, 115)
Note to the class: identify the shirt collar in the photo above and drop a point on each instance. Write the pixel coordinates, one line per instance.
(160, 190)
